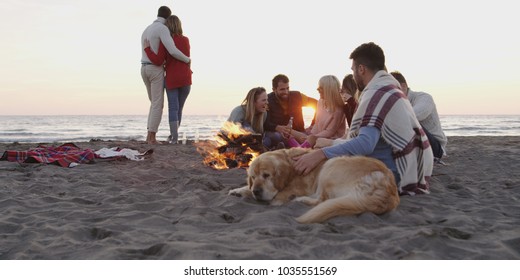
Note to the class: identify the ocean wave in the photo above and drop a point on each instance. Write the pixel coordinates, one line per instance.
(50, 129)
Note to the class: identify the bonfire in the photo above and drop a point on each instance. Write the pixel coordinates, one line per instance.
(232, 147)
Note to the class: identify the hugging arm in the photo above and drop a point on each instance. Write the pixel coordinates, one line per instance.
(168, 43)
(159, 58)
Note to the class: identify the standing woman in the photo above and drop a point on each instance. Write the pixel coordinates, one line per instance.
(253, 111)
(178, 75)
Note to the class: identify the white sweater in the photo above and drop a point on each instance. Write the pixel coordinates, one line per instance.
(156, 33)
(426, 112)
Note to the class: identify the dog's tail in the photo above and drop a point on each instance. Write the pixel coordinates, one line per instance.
(330, 208)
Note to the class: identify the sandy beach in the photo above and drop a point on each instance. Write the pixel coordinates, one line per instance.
(171, 206)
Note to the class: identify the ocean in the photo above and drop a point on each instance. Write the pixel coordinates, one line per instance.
(61, 129)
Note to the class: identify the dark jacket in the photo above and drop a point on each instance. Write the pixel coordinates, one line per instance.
(277, 116)
(349, 108)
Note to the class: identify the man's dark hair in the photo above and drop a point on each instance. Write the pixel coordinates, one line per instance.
(164, 12)
(279, 78)
(399, 77)
(370, 55)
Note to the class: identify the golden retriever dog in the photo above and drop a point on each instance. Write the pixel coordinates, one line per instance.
(339, 186)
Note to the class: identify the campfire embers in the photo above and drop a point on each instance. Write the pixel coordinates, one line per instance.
(232, 147)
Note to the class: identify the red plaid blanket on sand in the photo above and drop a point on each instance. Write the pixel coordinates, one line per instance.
(63, 155)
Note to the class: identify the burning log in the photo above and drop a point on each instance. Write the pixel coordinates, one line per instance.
(233, 147)
(241, 143)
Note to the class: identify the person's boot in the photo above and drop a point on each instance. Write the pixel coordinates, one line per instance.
(293, 143)
(174, 132)
(306, 145)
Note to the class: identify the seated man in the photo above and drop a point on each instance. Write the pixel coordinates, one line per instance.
(384, 127)
(426, 112)
(284, 106)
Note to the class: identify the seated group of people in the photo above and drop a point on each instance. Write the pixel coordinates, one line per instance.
(372, 113)
(278, 115)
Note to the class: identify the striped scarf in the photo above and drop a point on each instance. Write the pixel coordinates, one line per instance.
(384, 106)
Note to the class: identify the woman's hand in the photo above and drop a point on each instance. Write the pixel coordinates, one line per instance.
(311, 139)
(299, 137)
(284, 130)
(146, 43)
(323, 142)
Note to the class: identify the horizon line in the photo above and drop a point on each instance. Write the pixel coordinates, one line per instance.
(55, 115)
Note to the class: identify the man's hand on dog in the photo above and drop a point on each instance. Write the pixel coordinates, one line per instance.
(307, 162)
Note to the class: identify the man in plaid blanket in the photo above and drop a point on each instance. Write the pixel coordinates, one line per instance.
(383, 127)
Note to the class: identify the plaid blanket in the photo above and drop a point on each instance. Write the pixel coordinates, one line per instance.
(383, 105)
(66, 155)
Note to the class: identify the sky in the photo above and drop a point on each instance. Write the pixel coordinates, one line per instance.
(82, 57)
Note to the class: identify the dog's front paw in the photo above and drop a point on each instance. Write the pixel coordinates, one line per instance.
(276, 202)
(240, 192)
(235, 193)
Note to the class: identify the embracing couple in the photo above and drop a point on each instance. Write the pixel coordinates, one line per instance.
(165, 63)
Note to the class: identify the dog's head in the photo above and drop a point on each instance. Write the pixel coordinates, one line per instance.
(270, 173)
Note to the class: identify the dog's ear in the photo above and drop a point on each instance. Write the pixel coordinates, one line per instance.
(284, 170)
(293, 153)
(287, 154)
(249, 182)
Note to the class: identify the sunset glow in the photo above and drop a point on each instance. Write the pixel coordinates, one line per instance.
(91, 64)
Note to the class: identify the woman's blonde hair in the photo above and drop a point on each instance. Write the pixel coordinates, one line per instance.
(256, 119)
(332, 98)
(174, 25)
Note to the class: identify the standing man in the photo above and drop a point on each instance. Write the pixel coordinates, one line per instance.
(153, 76)
(383, 127)
(284, 104)
(426, 112)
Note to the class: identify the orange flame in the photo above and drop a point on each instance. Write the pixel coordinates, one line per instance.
(218, 154)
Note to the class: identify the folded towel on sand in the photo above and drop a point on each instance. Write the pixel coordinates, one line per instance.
(69, 155)
(117, 152)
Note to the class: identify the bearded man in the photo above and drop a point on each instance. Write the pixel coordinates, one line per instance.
(384, 127)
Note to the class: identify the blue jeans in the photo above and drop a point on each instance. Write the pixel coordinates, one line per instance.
(271, 139)
(176, 99)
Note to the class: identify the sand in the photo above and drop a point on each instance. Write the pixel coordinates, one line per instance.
(171, 206)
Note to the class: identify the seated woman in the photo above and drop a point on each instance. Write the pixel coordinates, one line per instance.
(330, 119)
(349, 93)
(252, 113)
